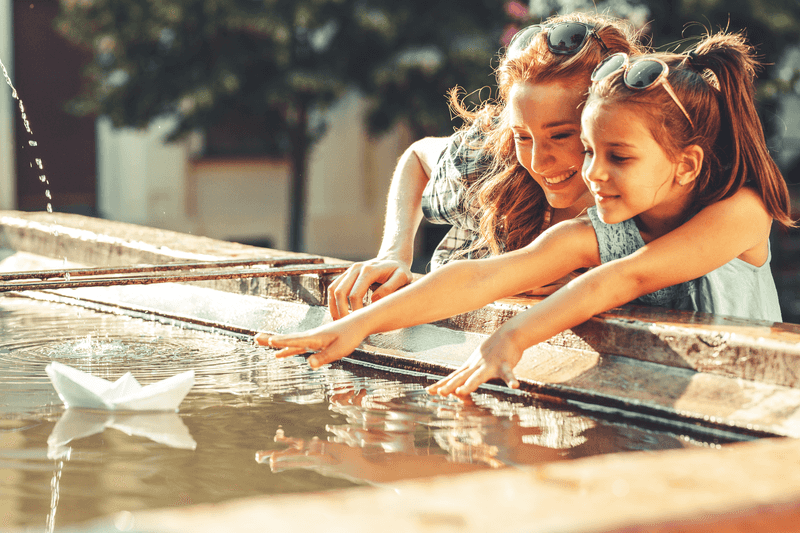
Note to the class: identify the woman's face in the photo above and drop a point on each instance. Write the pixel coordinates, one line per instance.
(546, 119)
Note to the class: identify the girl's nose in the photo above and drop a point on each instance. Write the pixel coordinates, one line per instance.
(592, 171)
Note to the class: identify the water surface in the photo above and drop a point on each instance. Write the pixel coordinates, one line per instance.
(252, 425)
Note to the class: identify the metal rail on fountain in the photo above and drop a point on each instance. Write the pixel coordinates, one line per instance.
(74, 278)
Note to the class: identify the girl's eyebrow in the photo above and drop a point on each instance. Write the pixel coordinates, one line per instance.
(620, 144)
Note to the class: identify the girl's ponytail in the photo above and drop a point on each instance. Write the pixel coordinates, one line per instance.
(728, 65)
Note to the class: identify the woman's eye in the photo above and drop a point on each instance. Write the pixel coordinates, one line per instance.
(565, 135)
(521, 138)
(619, 158)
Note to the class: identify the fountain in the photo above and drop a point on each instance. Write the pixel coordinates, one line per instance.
(723, 394)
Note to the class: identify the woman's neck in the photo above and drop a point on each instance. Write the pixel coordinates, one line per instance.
(576, 209)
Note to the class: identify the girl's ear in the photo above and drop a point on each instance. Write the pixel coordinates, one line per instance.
(690, 162)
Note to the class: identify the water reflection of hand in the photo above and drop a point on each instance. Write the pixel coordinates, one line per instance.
(348, 397)
(356, 463)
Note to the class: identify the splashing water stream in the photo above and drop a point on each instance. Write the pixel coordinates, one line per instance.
(26, 123)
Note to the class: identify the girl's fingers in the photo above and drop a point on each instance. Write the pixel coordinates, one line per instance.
(478, 378)
(451, 382)
(437, 387)
(507, 374)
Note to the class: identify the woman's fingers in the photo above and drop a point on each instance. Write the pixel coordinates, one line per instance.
(339, 292)
(288, 352)
(309, 341)
(347, 292)
(398, 279)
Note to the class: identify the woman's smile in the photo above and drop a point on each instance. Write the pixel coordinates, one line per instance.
(559, 179)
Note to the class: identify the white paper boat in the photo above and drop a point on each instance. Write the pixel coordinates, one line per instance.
(81, 390)
(164, 428)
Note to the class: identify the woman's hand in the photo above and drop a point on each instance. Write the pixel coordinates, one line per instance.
(347, 292)
(328, 343)
(495, 358)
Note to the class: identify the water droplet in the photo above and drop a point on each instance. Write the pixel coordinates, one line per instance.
(39, 163)
(33, 143)
(47, 193)
(49, 208)
(66, 275)
(42, 178)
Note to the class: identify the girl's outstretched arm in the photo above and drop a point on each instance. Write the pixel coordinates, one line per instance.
(456, 288)
(734, 227)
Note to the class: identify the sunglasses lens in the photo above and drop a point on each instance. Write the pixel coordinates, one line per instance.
(567, 38)
(643, 74)
(608, 66)
(522, 39)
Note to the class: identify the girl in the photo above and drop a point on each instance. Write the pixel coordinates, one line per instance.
(523, 180)
(685, 195)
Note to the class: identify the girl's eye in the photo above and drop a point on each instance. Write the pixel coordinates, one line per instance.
(587, 152)
(520, 138)
(564, 135)
(619, 158)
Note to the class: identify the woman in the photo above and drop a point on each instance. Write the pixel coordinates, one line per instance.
(511, 172)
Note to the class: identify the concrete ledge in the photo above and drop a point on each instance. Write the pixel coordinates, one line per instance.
(696, 368)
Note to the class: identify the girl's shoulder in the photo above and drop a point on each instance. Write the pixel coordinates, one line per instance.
(744, 208)
(740, 220)
(745, 202)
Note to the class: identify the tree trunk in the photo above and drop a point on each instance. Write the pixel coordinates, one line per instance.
(299, 160)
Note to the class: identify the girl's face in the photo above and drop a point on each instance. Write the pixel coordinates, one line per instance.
(546, 121)
(626, 170)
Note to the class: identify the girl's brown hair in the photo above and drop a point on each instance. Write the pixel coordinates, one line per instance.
(512, 206)
(714, 82)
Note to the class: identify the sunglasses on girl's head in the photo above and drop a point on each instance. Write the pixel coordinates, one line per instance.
(639, 75)
(563, 38)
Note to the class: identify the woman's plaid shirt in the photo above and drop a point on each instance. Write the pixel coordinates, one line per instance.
(445, 198)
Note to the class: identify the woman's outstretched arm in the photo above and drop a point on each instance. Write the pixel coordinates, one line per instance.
(458, 287)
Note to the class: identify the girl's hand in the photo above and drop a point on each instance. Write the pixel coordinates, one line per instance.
(331, 342)
(495, 358)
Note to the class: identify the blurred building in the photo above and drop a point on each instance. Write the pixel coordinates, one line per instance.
(134, 176)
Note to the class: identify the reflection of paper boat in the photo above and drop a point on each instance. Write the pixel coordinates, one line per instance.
(79, 389)
(164, 428)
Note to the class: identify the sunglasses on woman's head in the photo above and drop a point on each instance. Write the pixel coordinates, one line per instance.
(563, 38)
(639, 75)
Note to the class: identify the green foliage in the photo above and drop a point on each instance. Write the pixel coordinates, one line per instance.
(205, 60)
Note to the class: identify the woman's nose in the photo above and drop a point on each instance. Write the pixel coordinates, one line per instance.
(541, 157)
